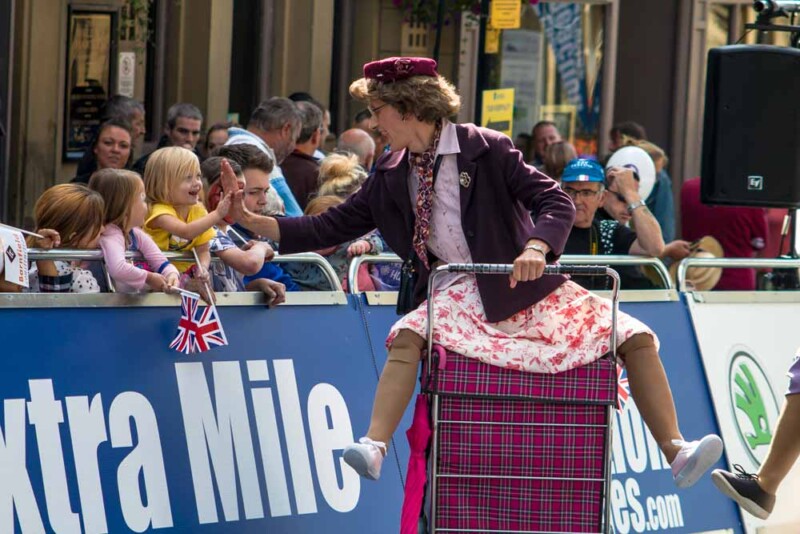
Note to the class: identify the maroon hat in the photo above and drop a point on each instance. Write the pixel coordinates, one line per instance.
(399, 68)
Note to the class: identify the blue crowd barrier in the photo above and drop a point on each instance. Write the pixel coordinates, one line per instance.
(105, 429)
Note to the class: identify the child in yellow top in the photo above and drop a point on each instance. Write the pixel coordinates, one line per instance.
(177, 220)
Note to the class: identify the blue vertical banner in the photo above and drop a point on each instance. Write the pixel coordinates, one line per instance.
(562, 25)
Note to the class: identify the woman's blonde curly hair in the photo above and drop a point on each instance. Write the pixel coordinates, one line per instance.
(428, 98)
(340, 175)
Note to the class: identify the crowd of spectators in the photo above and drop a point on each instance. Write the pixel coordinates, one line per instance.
(169, 199)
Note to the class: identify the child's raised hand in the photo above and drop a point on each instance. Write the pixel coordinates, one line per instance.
(51, 238)
(156, 282)
(230, 186)
(357, 248)
(224, 206)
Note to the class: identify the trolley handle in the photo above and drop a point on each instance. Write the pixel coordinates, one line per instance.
(501, 268)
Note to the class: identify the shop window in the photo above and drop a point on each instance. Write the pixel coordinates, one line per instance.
(554, 64)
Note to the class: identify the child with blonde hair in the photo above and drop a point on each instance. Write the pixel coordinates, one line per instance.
(76, 213)
(177, 220)
(125, 212)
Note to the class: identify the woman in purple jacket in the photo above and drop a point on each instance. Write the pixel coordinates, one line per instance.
(463, 194)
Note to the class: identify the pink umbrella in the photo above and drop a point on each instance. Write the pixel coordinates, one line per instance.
(419, 435)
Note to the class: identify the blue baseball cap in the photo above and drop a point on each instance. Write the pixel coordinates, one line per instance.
(583, 170)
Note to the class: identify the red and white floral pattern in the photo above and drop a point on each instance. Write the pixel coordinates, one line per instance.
(568, 328)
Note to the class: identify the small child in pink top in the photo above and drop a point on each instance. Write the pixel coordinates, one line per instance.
(125, 212)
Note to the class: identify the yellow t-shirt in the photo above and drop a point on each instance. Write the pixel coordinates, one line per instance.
(172, 243)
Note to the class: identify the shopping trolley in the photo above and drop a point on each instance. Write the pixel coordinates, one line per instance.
(515, 451)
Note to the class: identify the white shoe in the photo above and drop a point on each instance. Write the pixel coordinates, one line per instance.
(694, 459)
(365, 457)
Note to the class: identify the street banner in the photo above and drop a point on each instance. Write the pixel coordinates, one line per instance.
(747, 350)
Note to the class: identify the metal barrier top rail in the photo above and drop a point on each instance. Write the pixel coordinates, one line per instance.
(97, 255)
(731, 263)
(633, 261)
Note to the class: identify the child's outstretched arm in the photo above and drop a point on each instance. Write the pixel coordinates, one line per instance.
(249, 259)
(190, 230)
(112, 243)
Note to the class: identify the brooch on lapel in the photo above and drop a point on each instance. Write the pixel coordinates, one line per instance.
(465, 179)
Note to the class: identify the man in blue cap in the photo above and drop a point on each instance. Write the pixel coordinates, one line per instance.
(584, 181)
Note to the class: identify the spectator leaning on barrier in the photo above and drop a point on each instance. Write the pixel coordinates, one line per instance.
(183, 129)
(75, 213)
(274, 127)
(584, 181)
(256, 168)
(236, 263)
(660, 200)
(300, 167)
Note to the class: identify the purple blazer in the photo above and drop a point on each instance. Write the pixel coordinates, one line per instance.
(496, 211)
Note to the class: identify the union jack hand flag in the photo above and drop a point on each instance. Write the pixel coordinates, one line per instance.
(198, 330)
(623, 388)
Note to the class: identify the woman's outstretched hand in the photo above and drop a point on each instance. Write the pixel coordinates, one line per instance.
(230, 186)
(529, 265)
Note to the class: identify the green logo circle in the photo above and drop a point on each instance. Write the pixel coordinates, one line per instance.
(753, 404)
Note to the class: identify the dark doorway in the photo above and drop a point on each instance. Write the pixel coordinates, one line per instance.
(245, 49)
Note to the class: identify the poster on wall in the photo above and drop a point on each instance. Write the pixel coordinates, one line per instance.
(519, 69)
(746, 352)
(90, 58)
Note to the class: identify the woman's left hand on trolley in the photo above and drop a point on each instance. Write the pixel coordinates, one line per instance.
(530, 264)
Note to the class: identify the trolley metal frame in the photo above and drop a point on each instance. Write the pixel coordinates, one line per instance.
(485, 268)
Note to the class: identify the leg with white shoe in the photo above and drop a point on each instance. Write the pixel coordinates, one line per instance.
(756, 493)
(395, 388)
(653, 396)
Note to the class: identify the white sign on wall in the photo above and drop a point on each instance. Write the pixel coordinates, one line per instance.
(126, 75)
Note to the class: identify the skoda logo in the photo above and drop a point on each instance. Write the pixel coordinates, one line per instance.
(753, 404)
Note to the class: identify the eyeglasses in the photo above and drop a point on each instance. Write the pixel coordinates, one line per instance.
(374, 112)
(585, 194)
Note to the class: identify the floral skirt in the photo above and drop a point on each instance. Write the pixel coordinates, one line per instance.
(568, 328)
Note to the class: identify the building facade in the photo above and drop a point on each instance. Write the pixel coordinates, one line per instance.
(641, 60)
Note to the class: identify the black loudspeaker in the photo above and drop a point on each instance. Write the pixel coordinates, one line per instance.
(751, 137)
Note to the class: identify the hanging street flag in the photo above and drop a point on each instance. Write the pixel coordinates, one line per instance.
(13, 256)
(199, 330)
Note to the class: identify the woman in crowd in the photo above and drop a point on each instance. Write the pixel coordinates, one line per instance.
(462, 194)
(556, 158)
(340, 175)
(111, 149)
(215, 137)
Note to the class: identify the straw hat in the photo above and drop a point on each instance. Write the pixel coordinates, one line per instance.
(701, 278)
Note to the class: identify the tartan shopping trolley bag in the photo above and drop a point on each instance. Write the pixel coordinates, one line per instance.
(515, 451)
